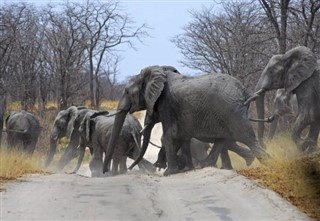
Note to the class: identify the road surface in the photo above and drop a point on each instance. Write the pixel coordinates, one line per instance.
(204, 194)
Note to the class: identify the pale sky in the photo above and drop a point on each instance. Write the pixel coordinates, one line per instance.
(166, 18)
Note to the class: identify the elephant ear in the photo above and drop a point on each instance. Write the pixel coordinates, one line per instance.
(154, 87)
(301, 65)
(73, 114)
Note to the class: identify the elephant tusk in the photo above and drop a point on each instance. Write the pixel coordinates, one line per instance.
(143, 129)
(117, 112)
(155, 144)
(267, 120)
(254, 96)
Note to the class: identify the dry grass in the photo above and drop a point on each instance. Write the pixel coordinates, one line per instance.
(14, 164)
(296, 178)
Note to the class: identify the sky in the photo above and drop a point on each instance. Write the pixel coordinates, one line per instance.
(166, 19)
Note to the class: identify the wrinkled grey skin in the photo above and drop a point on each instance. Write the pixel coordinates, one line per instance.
(1, 122)
(284, 105)
(202, 158)
(23, 130)
(208, 107)
(298, 72)
(95, 131)
(66, 124)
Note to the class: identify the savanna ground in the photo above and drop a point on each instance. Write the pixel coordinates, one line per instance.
(296, 178)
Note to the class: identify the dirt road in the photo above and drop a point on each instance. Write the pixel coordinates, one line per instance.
(204, 194)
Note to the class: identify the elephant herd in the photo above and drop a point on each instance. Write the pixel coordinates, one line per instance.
(202, 118)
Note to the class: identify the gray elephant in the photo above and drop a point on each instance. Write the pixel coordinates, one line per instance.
(66, 124)
(298, 72)
(95, 131)
(208, 108)
(285, 106)
(23, 130)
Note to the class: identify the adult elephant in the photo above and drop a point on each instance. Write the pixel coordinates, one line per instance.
(284, 106)
(66, 124)
(23, 130)
(95, 131)
(298, 72)
(207, 108)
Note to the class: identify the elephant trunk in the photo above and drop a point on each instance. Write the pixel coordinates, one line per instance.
(52, 151)
(260, 114)
(146, 139)
(273, 127)
(123, 109)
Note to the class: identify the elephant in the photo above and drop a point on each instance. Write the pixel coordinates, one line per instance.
(207, 107)
(66, 124)
(23, 130)
(298, 72)
(95, 131)
(284, 105)
(201, 156)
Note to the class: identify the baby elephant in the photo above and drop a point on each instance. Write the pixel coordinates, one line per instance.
(23, 130)
(95, 131)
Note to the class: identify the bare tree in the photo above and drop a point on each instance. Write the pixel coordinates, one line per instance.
(66, 58)
(19, 60)
(304, 27)
(277, 13)
(233, 42)
(106, 26)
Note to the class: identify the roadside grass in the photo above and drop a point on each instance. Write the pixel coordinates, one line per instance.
(294, 176)
(14, 164)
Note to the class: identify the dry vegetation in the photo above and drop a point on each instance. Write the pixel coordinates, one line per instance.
(15, 164)
(296, 178)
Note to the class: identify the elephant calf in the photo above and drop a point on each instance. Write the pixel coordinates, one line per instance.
(66, 124)
(95, 131)
(23, 130)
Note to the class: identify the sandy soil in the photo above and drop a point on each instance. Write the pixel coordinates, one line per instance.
(204, 194)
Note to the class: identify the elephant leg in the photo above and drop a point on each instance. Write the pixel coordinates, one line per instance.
(81, 149)
(70, 153)
(225, 159)
(123, 165)
(95, 164)
(186, 154)
(171, 148)
(313, 136)
(161, 162)
(299, 125)
(250, 141)
(245, 153)
(213, 155)
(273, 127)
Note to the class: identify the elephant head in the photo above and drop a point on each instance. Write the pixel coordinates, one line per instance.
(141, 93)
(286, 71)
(63, 125)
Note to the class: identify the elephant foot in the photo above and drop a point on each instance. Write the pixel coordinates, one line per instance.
(146, 166)
(226, 167)
(171, 171)
(249, 160)
(262, 156)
